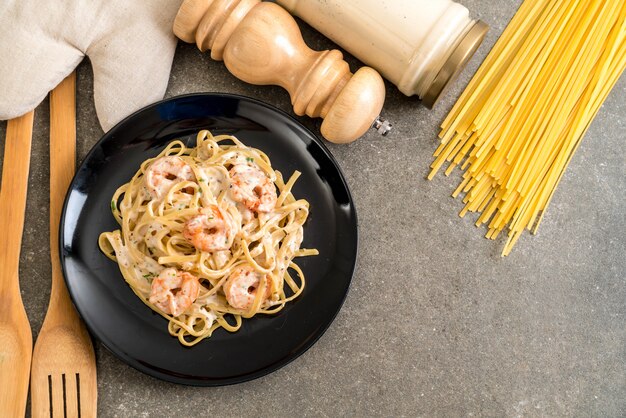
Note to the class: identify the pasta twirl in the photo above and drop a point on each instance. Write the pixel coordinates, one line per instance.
(208, 236)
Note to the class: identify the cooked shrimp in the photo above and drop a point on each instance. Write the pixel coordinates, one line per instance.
(253, 188)
(241, 286)
(174, 291)
(246, 214)
(165, 172)
(211, 230)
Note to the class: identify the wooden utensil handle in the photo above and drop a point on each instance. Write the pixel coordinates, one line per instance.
(62, 163)
(13, 196)
(261, 43)
(15, 334)
(62, 159)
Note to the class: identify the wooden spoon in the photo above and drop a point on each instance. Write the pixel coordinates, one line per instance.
(63, 378)
(16, 340)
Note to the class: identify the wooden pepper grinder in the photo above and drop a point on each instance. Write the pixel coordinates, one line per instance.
(261, 43)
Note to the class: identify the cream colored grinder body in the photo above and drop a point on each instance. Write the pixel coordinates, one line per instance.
(419, 45)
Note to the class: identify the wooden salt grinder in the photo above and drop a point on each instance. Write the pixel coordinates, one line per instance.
(261, 43)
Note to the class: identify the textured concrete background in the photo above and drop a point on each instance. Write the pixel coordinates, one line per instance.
(436, 323)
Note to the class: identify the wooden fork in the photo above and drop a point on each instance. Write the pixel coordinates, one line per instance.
(63, 376)
(16, 340)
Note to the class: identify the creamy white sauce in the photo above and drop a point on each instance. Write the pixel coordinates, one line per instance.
(153, 235)
(221, 258)
(209, 317)
(215, 180)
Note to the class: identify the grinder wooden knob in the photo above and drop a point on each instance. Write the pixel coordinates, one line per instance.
(261, 43)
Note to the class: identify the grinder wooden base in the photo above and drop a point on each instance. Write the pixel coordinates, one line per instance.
(260, 43)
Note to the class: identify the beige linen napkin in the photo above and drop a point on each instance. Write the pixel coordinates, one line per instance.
(129, 42)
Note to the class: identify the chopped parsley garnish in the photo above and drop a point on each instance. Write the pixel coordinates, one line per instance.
(113, 206)
(250, 159)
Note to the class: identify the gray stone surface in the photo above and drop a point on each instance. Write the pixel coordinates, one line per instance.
(436, 323)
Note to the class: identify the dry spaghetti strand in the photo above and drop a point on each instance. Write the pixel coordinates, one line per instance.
(523, 115)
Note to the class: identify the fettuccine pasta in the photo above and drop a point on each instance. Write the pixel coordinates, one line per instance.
(519, 122)
(208, 236)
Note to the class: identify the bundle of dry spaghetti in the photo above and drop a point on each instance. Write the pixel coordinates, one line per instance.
(521, 118)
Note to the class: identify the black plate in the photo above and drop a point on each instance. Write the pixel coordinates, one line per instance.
(129, 328)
